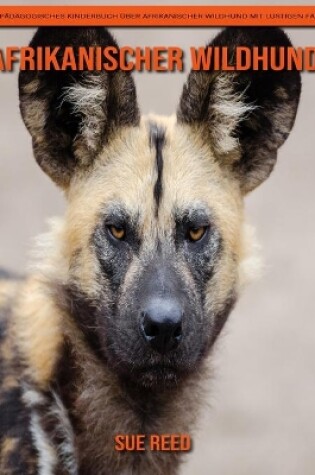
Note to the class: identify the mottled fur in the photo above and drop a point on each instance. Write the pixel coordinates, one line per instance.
(75, 370)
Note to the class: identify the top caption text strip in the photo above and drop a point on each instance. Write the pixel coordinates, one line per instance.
(157, 15)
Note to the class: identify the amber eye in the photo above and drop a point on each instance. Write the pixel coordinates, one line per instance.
(117, 233)
(195, 234)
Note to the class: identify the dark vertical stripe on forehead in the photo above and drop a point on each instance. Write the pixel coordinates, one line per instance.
(157, 140)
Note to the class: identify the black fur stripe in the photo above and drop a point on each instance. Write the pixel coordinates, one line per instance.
(157, 140)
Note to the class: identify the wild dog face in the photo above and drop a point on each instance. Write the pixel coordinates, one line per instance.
(152, 238)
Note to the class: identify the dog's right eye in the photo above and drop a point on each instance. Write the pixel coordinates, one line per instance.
(118, 233)
(196, 234)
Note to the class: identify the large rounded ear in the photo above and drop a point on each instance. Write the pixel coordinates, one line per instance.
(246, 115)
(71, 114)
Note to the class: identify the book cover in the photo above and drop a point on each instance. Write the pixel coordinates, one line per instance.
(157, 223)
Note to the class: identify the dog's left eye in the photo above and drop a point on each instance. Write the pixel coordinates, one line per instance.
(117, 233)
(195, 234)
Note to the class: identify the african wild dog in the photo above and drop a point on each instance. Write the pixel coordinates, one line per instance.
(111, 332)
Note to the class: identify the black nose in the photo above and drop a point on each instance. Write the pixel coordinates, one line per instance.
(161, 324)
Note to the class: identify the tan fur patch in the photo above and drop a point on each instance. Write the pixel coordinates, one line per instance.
(38, 331)
(7, 447)
(8, 289)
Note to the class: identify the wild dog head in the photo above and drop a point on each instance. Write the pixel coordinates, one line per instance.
(153, 235)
